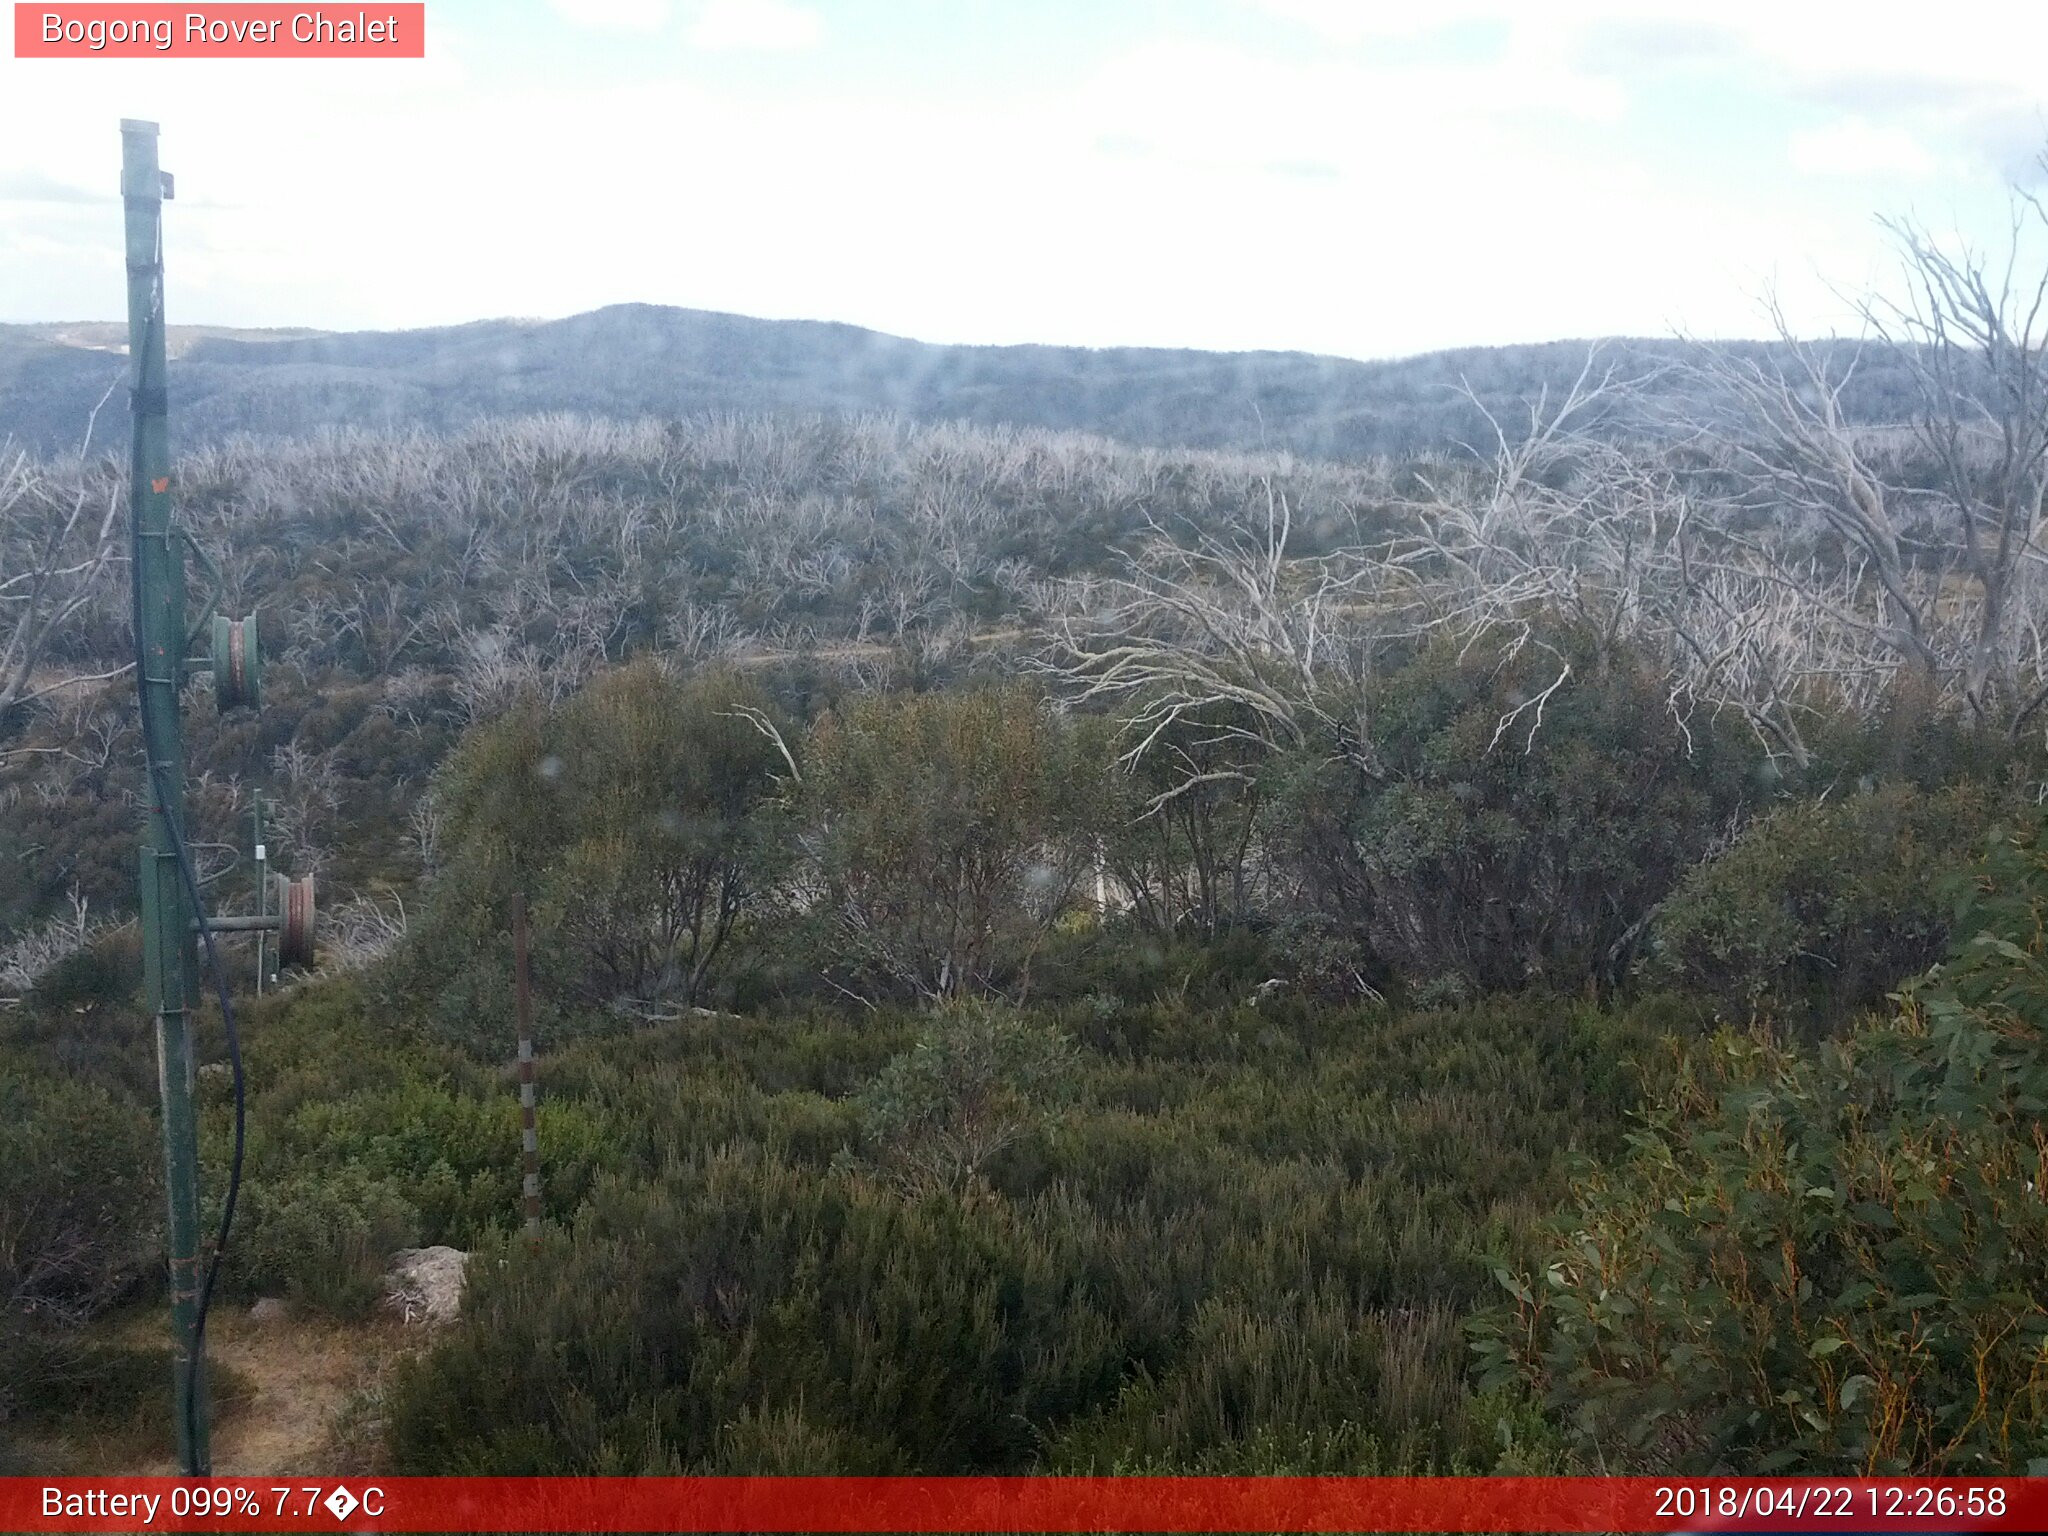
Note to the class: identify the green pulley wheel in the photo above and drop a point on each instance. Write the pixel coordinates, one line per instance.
(237, 663)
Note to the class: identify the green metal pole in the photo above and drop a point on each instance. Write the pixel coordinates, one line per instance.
(170, 962)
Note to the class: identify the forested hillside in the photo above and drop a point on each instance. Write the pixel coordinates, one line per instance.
(1054, 953)
(633, 361)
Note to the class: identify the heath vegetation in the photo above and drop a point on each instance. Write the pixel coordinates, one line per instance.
(1058, 955)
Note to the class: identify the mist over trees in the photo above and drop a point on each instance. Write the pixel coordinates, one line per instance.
(635, 361)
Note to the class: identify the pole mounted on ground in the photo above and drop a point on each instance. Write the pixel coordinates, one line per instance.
(170, 964)
(171, 900)
(529, 1130)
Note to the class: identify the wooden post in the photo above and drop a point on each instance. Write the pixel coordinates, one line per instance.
(262, 882)
(529, 1128)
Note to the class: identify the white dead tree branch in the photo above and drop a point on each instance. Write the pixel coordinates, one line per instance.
(1562, 525)
(1232, 635)
(1975, 331)
(58, 550)
(28, 956)
(760, 720)
(361, 931)
(1940, 577)
(1786, 440)
(1699, 556)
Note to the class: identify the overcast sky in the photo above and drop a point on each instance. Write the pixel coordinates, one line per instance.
(1344, 176)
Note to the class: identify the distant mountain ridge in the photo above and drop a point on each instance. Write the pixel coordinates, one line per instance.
(637, 360)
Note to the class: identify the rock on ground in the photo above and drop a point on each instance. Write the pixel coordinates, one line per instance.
(424, 1285)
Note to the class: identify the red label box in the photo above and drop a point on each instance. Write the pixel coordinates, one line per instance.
(237, 31)
(961, 1505)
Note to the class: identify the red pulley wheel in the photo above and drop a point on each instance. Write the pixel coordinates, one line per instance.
(295, 931)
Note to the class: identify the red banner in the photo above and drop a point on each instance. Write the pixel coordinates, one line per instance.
(239, 31)
(976, 1504)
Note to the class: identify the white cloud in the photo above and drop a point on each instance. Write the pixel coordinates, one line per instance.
(615, 15)
(1206, 106)
(1854, 146)
(1968, 89)
(1180, 192)
(1442, 219)
(1977, 42)
(1355, 21)
(756, 26)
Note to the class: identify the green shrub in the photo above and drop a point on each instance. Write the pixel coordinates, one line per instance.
(1183, 839)
(1517, 836)
(636, 817)
(95, 1381)
(1301, 1370)
(978, 1080)
(80, 1220)
(365, 1137)
(1820, 908)
(1826, 1260)
(321, 1240)
(950, 832)
(105, 974)
(455, 1156)
(921, 1331)
(1126, 960)
(664, 787)
(90, 1035)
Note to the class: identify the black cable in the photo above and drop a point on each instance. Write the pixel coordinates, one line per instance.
(190, 876)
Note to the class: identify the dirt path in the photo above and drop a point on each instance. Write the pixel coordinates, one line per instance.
(301, 1396)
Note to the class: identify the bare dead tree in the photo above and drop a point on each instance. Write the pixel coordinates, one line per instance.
(29, 955)
(1229, 633)
(383, 619)
(1975, 331)
(360, 931)
(58, 552)
(305, 796)
(1750, 645)
(423, 832)
(1943, 581)
(1562, 524)
(1712, 577)
(1785, 438)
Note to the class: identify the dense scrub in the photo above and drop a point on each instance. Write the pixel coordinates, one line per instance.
(1826, 1260)
(1036, 970)
(683, 839)
(1498, 847)
(78, 1223)
(1179, 1240)
(413, 586)
(1094, 1236)
(410, 585)
(1820, 908)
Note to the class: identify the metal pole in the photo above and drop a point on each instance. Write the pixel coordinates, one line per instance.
(262, 880)
(170, 961)
(528, 1123)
